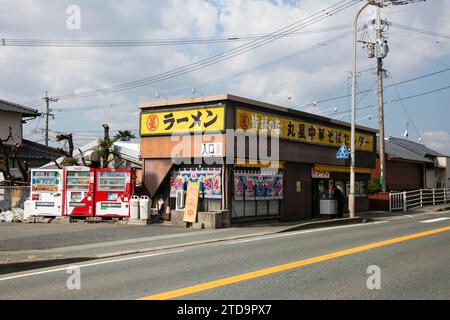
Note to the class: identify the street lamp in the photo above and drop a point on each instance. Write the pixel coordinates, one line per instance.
(323, 112)
(379, 3)
(313, 103)
(351, 196)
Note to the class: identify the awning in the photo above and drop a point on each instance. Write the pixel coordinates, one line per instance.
(257, 164)
(326, 168)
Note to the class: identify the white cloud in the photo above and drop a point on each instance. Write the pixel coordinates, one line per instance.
(312, 76)
(437, 140)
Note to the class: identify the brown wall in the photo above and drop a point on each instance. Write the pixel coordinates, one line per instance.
(401, 175)
(155, 171)
(160, 147)
(297, 205)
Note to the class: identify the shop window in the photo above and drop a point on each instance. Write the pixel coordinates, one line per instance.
(360, 188)
(257, 194)
(210, 179)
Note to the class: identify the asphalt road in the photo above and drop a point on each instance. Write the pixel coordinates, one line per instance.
(35, 236)
(414, 267)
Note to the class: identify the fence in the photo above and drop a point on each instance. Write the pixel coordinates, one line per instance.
(417, 198)
(13, 197)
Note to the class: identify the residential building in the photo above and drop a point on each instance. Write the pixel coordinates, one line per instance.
(30, 154)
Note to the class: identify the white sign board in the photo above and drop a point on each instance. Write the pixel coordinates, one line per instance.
(212, 149)
(320, 174)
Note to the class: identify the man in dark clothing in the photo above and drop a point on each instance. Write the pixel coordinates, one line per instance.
(340, 198)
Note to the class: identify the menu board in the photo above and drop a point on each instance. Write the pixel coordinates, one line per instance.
(111, 181)
(45, 181)
(78, 180)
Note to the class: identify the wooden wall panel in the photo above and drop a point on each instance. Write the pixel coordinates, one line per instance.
(403, 176)
(297, 205)
(160, 147)
(155, 171)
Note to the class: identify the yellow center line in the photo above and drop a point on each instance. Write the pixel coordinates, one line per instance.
(284, 267)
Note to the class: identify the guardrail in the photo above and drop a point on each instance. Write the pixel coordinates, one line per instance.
(418, 198)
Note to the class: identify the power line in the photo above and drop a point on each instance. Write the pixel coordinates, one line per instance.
(422, 31)
(418, 54)
(154, 42)
(254, 69)
(388, 86)
(228, 54)
(420, 94)
(403, 105)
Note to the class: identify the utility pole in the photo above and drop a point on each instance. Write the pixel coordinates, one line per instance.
(47, 114)
(381, 51)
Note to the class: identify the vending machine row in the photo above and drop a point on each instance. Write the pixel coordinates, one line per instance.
(81, 192)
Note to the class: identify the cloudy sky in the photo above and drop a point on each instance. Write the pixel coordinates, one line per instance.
(310, 65)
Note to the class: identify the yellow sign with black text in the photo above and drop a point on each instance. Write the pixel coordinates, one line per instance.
(190, 209)
(302, 131)
(183, 121)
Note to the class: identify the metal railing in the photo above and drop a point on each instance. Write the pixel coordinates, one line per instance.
(13, 197)
(418, 198)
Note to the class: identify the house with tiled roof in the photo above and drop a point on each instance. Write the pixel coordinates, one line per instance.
(412, 166)
(31, 154)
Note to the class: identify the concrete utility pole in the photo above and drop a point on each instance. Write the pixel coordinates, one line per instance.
(380, 43)
(47, 114)
(380, 51)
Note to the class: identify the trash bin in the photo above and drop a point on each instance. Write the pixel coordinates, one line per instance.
(144, 207)
(134, 207)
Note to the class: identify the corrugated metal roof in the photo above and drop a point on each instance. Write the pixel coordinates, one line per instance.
(14, 107)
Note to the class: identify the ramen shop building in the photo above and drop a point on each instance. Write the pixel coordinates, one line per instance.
(201, 140)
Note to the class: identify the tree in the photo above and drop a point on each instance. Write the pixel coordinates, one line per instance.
(104, 147)
(6, 158)
(374, 185)
(68, 160)
(125, 135)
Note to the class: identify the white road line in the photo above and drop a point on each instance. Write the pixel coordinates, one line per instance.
(87, 265)
(302, 232)
(434, 220)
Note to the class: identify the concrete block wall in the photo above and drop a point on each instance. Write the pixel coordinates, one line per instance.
(206, 220)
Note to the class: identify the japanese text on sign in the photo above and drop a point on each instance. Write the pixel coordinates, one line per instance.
(183, 121)
(303, 131)
(190, 210)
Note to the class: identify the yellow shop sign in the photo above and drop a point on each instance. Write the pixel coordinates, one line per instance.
(182, 121)
(297, 130)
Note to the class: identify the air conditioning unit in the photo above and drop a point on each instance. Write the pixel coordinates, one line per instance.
(180, 199)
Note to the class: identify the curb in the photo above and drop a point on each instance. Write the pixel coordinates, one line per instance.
(45, 263)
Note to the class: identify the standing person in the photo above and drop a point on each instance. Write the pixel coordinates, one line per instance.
(340, 198)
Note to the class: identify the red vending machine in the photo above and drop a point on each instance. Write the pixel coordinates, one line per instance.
(114, 188)
(79, 186)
